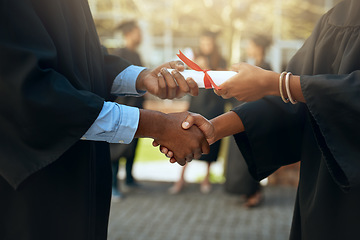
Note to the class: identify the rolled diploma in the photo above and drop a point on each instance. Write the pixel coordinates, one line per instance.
(219, 77)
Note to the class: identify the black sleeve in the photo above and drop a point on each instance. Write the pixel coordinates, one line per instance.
(43, 112)
(273, 134)
(113, 66)
(334, 103)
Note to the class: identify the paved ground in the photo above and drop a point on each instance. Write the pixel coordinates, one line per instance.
(152, 214)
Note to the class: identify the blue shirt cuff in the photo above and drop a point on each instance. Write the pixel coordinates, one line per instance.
(128, 126)
(115, 124)
(125, 83)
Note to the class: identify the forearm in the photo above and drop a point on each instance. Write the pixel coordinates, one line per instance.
(227, 124)
(271, 84)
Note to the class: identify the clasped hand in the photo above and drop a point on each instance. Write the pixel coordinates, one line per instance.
(192, 124)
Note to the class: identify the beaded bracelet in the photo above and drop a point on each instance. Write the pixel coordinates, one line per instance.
(287, 85)
(281, 78)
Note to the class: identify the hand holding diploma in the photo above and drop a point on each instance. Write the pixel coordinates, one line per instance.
(249, 84)
(161, 83)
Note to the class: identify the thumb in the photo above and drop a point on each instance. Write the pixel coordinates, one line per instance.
(188, 122)
(202, 123)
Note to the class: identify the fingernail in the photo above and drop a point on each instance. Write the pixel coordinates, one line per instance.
(163, 70)
(185, 124)
(159, 74)
(174, 72)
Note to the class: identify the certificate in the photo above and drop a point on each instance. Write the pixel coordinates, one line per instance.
(219, 77)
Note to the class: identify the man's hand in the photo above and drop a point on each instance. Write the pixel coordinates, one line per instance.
(166, 130)
(191, 119)
(165, 85)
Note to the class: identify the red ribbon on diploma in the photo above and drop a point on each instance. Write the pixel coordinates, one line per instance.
(208, 82)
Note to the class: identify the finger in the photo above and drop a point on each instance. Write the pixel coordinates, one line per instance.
(183, 86)
(202, 123)
(239, 98)
(194, 89)
(225, 92)
(155, 144)
(226, 96)
(220, 92)
(188, 122)
(161, 86)
(178, 65)
(181, 162)
(197, 154)
(194, 119)
(173, 160)
(205, 147)
(217, 92)
(170, 82)
(170, 154)
(164, 150)
(189, 157)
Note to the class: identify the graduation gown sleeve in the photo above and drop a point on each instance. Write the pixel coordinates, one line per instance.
(334, 104)
(272, 137)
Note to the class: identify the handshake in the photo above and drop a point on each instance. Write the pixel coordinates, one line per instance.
(190, 134)
(188, 138)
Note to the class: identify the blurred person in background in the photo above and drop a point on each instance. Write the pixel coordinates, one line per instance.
(238, 179)
(207, 103)
(132, 36)
(256, 51)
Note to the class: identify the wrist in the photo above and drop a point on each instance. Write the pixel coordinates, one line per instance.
(151, 124)
(271, 83)
(227, 124)
(140, 81)
(215, 125)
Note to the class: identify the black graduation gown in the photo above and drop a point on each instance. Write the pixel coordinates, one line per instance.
(323, 134)
(53, 82)
(132, 56)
